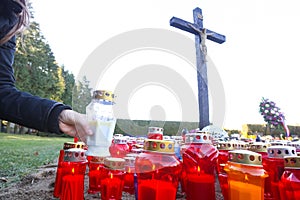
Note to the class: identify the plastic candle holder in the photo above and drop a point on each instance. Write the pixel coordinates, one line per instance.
(96, 173)
(262, 149)
(289, 186)
(158, 171)
(155, 133)
(129, 175)
(199, 165)
(274, 165)
(119, 147)
(74, 167)
(223, 148)
(59, 171)
(113, 181)
(245, 175)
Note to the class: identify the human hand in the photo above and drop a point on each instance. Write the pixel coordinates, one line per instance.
(74, 124)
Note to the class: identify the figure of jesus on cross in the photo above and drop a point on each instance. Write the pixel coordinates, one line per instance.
(201, 34)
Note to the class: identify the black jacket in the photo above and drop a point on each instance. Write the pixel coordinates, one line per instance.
(21, 107)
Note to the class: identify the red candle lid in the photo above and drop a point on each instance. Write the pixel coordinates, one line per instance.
(114, 163)
(161, 146)
(74, 155)
(292, 162)
(245, 157)
(198, 137)
(259, 147)
(280, 151)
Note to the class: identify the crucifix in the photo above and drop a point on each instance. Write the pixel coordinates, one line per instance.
(201, 34)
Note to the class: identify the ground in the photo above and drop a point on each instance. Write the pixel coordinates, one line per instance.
(40, 185)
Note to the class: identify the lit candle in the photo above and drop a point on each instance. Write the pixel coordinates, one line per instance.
(113, 182)
(245, 175)
(158, 171)
(74, 167)
(129, 175)
(274, 165)
(73, 187)
(96, 173)
(199, 162)
(60, 172)
(155, 133)
(289, 185)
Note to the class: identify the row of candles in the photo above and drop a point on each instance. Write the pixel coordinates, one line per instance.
(245, 171)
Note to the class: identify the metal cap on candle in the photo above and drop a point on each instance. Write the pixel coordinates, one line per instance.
(292, 162)
(104, 94)
(226, 146)
(245, 157)
(114, 163)
(129, 161)
(132, 155)
(259, 147)
(295, 144)
(70, 145)
(162, 146)
(120, 140)
(74, 155)
(155, 130)
(280, 151)
(198, 137)
(98, 159)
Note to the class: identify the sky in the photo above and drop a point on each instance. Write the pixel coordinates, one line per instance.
(259, 58)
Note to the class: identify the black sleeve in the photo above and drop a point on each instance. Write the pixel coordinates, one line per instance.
(21, 107)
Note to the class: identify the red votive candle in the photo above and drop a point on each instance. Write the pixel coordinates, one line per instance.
(289, 186)
(274, 165)
(155, 133)
(129, 174)
(96, 173)
(59, 171)
(199, 162)
(74, 167)
(158, 171)
(262, 149)
(223, 148)
(113, 181)
(119, 147)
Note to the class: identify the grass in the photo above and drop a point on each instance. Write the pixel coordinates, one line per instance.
(22, 154)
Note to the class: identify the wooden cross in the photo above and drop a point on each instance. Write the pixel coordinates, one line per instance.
(201, 34)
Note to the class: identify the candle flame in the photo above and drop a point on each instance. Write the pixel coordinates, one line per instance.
(118, 153)
(246, 177)
(111, 175)
(153, 167)
(73, 170)
(129, 170)
(198, 169)
(98, 168)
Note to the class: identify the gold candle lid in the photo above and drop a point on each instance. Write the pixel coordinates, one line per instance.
(129, 161)
(70, 145)
(245, 157)
(98, 159)
(114, 163)
(280, 151)
(74, 155)
(292, 162)
(104, 94)
(259, 147)
(161, 146)
(227, 146)
(198, 137)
